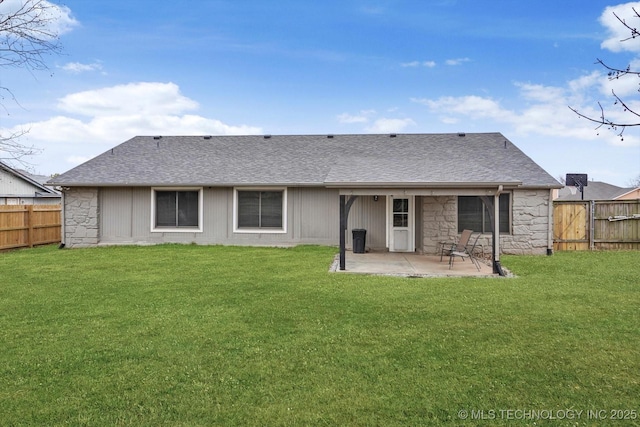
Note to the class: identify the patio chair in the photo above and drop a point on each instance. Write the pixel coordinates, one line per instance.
(466, 252)
(447, 248)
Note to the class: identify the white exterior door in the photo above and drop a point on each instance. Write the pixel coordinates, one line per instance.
(401, 224)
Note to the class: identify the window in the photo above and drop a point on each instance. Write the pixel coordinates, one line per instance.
(473, 215)
(400, 212)
(176, 209)
(260, 210)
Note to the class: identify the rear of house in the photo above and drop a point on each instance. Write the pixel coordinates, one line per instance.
(21, 188)
(408, 191)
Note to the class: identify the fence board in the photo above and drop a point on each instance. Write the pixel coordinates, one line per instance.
(29, 225)
(607, 225)
(571, 226)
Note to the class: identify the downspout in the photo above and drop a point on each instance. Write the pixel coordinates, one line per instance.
(550, 225)
(493, 207)
(63, 223)
(497, 267)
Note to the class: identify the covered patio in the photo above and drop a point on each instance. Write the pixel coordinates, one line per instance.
(403, 224)
(410, 265)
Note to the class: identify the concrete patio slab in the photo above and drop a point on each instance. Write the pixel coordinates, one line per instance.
(410, 265)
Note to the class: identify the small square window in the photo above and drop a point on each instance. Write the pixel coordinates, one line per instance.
(260, 210)
(176, 210)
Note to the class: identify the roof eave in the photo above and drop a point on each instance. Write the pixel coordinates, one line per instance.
(491, 184)
(191, 184)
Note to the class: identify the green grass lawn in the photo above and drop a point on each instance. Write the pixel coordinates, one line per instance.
(198, 336)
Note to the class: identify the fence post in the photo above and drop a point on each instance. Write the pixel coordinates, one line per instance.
(30, 225)
(592, 224)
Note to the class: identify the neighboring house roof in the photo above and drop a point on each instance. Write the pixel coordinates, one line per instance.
(315, 160)
(633, 193)
(595, 190)
(25, 184)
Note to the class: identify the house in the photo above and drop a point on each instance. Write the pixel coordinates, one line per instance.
(631, 194)
(598, 190)
(21, 188)
(409, 191)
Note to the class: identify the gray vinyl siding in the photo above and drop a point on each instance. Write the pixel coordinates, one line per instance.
(372, 216)
(116, 208)
(21, 200)
(11, 184)
(123, 216)
(312, 218)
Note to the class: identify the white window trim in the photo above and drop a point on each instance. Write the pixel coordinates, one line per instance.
(282, 230)
(155, 229)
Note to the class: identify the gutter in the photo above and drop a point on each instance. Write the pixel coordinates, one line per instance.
(188, 184)
(450, 184)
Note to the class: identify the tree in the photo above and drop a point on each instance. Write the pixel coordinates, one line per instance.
(614, 73)
(27, 35)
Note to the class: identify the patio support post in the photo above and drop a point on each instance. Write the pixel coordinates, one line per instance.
(345, 207)
(343, 229)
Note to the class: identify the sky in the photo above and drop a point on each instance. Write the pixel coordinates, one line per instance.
(225, 67)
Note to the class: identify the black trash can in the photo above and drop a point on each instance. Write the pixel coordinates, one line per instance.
(359, 240)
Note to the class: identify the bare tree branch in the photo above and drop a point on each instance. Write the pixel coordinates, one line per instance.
(27, 35)
(614, 73)
(633, 30)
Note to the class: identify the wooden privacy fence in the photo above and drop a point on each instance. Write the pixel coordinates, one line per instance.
(589, 225)
(29, 225)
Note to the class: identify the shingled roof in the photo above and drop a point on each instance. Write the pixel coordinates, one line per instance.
(446, 160)
(595, 190)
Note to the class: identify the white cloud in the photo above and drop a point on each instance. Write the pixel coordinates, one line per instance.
(413, 64)
(456, 61)
(384, 125)
(617, 31)
(541, 93)
(145, 99)
(362, 117)
(585, 82)
(544, 111)
(410, 64)
(78, 68)
(377, 124)
(59, 19)
(112, 115)
(474, 106)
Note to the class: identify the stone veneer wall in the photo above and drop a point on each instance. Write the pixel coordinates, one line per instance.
(81, 217)
(440, 222)
(529, 225)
